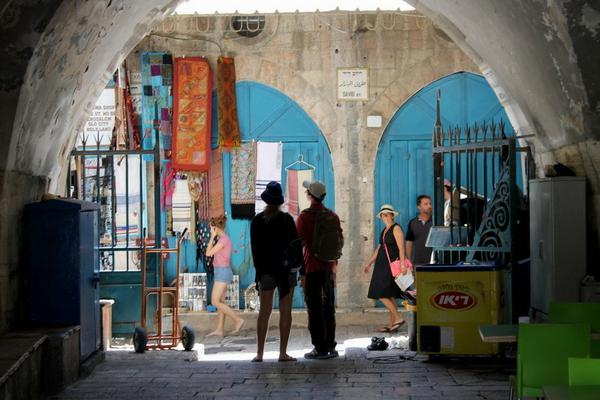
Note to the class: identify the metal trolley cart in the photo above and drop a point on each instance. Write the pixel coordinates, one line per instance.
(161, 339)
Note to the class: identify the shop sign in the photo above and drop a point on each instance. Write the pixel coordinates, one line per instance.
(102, 119)
(453, 300)
(353, 84)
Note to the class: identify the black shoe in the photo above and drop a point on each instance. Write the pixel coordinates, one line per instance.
(315, 355)
(378, 344)
(333, 353)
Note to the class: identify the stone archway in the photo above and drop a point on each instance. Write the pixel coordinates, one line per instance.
(536, 55)
(76, 54)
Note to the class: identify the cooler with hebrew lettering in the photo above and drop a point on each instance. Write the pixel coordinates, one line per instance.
(452, 302)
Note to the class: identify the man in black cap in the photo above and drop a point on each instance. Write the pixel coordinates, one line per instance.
(318, 274)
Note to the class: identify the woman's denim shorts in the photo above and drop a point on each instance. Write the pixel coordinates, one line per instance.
(223, 274)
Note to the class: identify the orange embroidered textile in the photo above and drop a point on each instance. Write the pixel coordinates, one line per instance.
(229, 129)
(216, 204)
(192, 87)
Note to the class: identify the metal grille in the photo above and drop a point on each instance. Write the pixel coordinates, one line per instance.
(126, 185)
(475, 192)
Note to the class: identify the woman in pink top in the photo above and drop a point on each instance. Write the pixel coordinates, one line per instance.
(221, 250)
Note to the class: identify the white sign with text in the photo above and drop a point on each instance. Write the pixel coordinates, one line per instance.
(353, 84)
(102, 119)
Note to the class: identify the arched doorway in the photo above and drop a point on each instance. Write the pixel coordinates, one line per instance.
(268, 115)
(404, 169)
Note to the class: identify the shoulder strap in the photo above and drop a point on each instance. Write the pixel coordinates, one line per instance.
(385, 245)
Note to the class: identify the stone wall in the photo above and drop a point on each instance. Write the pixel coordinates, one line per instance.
(298, 54)
(17, 189)
(45, 97)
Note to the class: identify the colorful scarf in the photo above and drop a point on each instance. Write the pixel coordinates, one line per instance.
(168, 186)
(192, 96)
(229, 130)
(216, 203)
(268, 168)
(243, 181)
(157, 79)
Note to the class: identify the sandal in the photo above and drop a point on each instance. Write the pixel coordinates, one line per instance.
(287, 358)
(257, 360)
(385, 329)
(397, 325)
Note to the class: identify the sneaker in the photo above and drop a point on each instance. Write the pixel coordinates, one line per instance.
(315, 355)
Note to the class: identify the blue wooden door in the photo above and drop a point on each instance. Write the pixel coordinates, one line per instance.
(410, 174)
(267, 115)
(404, 167)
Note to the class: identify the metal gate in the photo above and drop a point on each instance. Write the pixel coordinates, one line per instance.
(403, 167)
(477, 202)
(122, 182)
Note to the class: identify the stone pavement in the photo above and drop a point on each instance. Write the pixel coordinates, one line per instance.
(222, 370)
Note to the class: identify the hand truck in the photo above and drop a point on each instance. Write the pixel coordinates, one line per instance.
(140, 334)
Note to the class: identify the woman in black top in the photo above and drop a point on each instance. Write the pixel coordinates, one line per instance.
(382, 285)
(271, 232)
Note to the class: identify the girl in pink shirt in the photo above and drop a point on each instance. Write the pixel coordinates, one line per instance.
(221, 250)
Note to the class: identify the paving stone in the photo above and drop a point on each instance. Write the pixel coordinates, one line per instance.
(357, 375)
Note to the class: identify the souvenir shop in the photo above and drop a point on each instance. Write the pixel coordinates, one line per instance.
(187, 144)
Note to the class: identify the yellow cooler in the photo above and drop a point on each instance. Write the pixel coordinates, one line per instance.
(452, 302)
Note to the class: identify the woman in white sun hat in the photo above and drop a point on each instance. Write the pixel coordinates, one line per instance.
(383, 287)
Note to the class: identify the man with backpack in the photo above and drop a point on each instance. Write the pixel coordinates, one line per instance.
(321, 234)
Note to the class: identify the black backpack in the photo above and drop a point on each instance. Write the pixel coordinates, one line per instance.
(327, 240)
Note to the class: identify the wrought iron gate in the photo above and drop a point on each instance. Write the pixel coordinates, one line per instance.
(109, 184)
(476, 197)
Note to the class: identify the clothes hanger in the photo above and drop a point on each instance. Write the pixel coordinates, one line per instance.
(300, 161)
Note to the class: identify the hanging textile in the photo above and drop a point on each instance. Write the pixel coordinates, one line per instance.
(192, 228)
(192, 96)
(194, 180)
(216, 204)
(182, 203)
(119, 133)
(157, 79)
(170, 221)
(291, 193)
(303, 175)
(295, 196)
(229, 130)
(243, 181)
(202, 224)
(268, 168)
(168, 186)
(132, 131)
